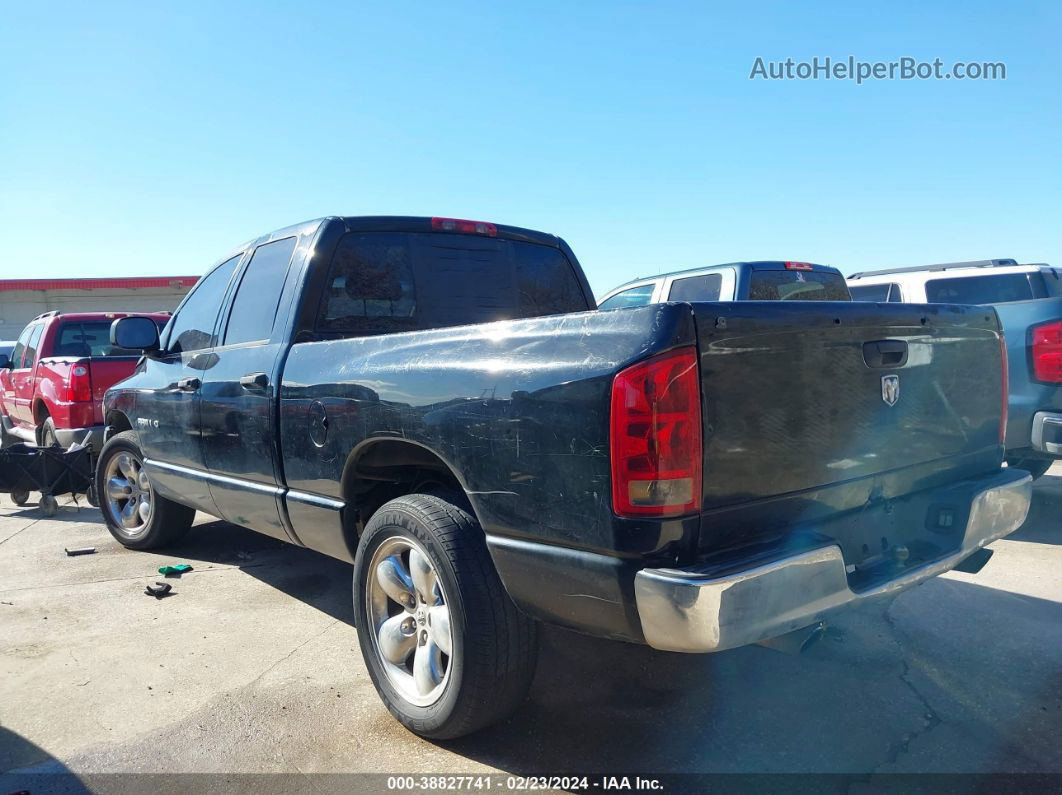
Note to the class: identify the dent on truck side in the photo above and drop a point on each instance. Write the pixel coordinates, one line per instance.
(517, 410)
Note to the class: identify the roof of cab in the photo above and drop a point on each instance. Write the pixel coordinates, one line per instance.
(412, 223)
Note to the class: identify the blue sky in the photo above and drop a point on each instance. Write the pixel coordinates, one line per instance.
(150, 138)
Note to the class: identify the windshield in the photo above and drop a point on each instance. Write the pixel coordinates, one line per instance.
(880, 293)
(636, 296)
(792, 285)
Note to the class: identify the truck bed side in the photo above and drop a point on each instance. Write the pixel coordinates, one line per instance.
(517, 410)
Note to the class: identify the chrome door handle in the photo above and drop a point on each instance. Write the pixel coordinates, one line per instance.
(190, 384)
(255, 382)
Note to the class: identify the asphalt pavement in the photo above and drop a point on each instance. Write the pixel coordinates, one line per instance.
(252, 666)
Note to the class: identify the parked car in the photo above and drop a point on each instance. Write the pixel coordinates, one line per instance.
(734, 281)
(52, 382)
(1028, 300)
(433, 401)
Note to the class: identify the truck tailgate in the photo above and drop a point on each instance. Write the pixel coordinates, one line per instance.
(104, 372)
(109, 370)
(805, 411)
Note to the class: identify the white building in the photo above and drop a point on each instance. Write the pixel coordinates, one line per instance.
(21, 300)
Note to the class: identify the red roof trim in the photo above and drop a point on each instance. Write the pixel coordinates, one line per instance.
(126, 283)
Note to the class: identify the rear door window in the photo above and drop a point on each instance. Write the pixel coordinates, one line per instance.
(254, 310)
(381, 282)
(20, 347)
(705, 287)
(31, 347)
(998, 288)
(793, 285)
(635, 296)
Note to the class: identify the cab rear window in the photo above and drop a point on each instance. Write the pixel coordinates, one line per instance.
(86, 339)
(382, 282)
(998, 288)
(792, 285)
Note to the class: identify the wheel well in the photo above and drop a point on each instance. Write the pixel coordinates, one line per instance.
(383, 470)
(117, 422)
(40, 412)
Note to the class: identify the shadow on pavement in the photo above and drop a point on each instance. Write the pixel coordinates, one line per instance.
(1044, 525)
(68, 511)
(25, 767)
(950, 676)
(312, 578)
(888, 689)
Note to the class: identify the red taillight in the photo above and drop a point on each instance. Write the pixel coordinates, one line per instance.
(798, 266)
(1006, 389)
(80, 383)
(656, 436)
(1047, 352)
(464, 227)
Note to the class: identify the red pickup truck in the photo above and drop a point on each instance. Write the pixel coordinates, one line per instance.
(52, 384)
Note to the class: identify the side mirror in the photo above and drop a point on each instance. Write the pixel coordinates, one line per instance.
(135, 333)
(5, 361)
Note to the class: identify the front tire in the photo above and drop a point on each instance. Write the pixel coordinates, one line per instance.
(447, 650)
(136, 516)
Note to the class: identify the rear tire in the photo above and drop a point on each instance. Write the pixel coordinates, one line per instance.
(418, 540)
(20, 497)
(136, 516)
(46, 436)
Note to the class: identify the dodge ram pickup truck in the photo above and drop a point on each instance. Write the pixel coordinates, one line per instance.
(734, 281)
(435, 401)
(1028, 300)
(53, 381)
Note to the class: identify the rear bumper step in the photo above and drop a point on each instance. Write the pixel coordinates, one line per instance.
(693, 611)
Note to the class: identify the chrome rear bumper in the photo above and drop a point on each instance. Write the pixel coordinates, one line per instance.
(691, 611)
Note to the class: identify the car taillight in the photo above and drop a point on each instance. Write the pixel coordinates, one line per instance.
(656, 436)
(1047, 352)
(1006, 389)
(80, 383)
(464, 227)
(798, 266)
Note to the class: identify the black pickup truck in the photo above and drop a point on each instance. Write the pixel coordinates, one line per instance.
(436, 401)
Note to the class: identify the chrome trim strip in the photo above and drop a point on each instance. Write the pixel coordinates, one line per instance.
(316, 500)
(210, 477)
(689, 611)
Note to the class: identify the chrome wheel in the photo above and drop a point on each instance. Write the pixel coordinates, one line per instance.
(128, 493)
(409, 620)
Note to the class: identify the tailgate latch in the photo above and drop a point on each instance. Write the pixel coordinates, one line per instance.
(885, 353)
